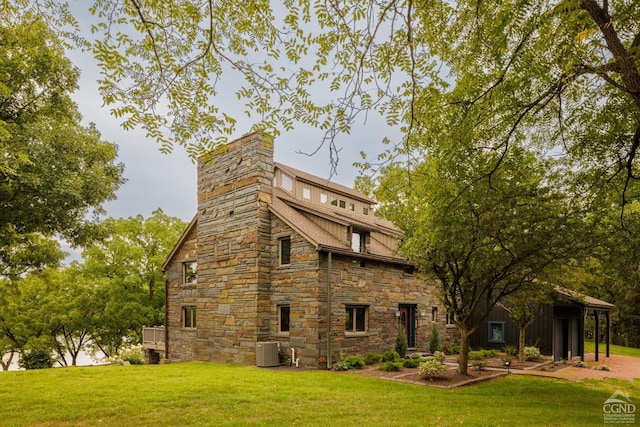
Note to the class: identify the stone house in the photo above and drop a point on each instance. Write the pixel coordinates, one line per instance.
(279, 258)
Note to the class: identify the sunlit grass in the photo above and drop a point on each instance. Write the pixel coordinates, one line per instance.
(221, 395)
(590, 347)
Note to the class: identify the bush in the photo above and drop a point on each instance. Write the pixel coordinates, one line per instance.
(532, 353)
(488, 354)
(411, 363)
(372, 358)
(134, 355)
(434, 341)
(432, 369)
(510, 350)
(355, 362)
(603, 368)
(341, 366)
(439, 356)
(36, 359)
(390, 356)
(580, 364)
(401, 341)
(451, 349)
(391, 366)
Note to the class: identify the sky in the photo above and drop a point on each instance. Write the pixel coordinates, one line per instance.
(168, 181)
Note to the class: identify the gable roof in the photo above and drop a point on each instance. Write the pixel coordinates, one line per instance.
(180, 242)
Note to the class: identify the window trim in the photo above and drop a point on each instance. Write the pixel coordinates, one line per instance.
(189, 312)
(354, 321)
(281, 251)
(490, 336)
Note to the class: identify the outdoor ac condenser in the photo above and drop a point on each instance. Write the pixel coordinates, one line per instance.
(267, 354)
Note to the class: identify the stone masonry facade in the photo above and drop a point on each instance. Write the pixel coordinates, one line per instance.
(240, 283)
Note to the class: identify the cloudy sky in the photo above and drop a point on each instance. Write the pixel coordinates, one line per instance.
(156, 180)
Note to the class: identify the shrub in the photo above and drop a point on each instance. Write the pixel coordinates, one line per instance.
(372, 358)
(411, 363)
(391, 366)
(439, 356)
(401, 341)
(532, 353)
(390, 356)
(341, 366)
(451, 349)
(134, 355)
(603, 368)
(510, 350)
(434, 341)
(488, 354)
(478, 359)
(580, 364)
(432, 369)
(355, 362)
(476, 355)
(36, 359)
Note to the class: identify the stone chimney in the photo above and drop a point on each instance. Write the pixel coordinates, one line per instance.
(234, 189)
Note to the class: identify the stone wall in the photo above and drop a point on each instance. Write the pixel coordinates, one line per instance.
(234, 187)
(181, 341)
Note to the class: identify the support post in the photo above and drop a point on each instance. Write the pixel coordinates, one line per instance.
(596, 335)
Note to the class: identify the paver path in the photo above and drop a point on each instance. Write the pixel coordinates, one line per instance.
(622, 367)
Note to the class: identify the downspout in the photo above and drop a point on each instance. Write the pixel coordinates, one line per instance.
(166, 320)
(328, 310)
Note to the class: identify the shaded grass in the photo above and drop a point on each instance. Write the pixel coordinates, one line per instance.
(590, 347)
(226, 395)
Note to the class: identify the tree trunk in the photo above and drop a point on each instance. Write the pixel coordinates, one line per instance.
(463, 360)
(521, 334)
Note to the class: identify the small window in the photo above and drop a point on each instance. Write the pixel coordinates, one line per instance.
(190, 272)
(342, 204)
(496, 332)
(356, 241)
(448, 319)
(323, 198)
(334, 202)
(287, 182)
(285, 251)
(365, 211)
(189, 317)
(306, 193)
(434, 314)
(352, 207)
(284, 312)
(356, 318)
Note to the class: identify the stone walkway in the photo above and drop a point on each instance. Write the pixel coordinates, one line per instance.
(621, 367)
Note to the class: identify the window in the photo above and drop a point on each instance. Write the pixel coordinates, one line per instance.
(356, 318)
(323, 198)
(334, 202)
(190, 272)
(352, 207)
(365, 211)
(496, 332)
(356, 241)
(434, 314)
(285, 251)
(448, 320)
(306, 193)
(284, 312)
(189, 317)
(342, 204)
(287, 182)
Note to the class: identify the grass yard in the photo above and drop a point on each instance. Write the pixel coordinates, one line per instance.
(590, 347)
(226, 395)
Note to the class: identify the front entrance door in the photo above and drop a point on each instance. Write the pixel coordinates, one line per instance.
(408, 320)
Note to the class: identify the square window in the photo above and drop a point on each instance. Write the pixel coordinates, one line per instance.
(342, 204)
(496, 332)
(189, 317)
(365, 211)
(285, 251)
(356, 318)
(323, 198)
(306, 193)
(352, 207)
(190, 272)
(284, 312)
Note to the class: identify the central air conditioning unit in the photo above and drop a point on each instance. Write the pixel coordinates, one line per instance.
(267, 354)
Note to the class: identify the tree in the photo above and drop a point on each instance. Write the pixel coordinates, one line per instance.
(482, 235)
(126, 267)
(523, 306)
(54, 173)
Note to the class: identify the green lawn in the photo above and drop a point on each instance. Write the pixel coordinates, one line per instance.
(225, 395)
(589, 347)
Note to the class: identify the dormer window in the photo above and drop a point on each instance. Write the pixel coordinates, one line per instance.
(287, 182)
(306, 193)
